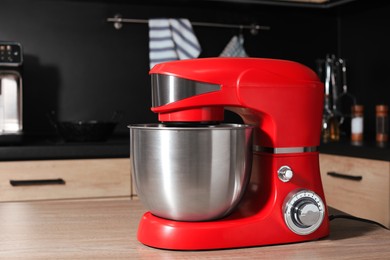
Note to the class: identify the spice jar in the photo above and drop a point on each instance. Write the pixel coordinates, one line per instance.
(382, 124)
(357, 124)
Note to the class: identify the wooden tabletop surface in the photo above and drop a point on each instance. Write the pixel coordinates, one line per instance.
(106, 229)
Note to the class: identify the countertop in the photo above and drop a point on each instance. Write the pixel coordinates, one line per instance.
(367, 150)
(47, 148)
(106, 229)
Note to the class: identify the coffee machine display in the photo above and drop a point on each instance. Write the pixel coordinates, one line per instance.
(11, 60)
(212, 185)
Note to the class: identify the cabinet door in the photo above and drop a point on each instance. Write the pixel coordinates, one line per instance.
(64, 179)
(360, 187)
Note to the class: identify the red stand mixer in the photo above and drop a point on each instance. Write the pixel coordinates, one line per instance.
(283, 200)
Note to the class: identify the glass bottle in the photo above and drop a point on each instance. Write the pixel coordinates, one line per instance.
(334, 129)
(357, 124)
(330, 128)
(382, 125)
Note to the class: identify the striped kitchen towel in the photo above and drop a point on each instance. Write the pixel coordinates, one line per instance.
(171, 39)
(235, 48)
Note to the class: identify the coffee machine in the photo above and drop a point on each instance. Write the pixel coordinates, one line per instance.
(11, 60)
(283, 200)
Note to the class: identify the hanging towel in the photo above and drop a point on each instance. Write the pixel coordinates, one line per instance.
(235, 48)
(171, 39)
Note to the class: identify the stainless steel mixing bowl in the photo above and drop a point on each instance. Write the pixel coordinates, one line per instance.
(191, 173)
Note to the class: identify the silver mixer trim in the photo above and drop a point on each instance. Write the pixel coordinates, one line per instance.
(285, 150)
(167, 89)
(304, 211)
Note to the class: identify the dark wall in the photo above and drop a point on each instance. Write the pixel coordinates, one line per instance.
(365, 44)
(77, 64)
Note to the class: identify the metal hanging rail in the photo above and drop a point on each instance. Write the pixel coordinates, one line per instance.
(254, 28)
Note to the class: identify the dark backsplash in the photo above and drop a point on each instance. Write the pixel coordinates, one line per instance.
(77, 64)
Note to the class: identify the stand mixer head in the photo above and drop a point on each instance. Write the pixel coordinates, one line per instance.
(283, 199)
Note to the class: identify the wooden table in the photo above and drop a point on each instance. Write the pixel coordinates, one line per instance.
(106, 229)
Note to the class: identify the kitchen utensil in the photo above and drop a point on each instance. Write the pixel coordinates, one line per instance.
(178, 170)
(201, 174)
(337, 104)
(345, 100)
(84, 131)
(327, 114)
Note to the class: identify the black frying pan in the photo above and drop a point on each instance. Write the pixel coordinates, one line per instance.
(84, 131)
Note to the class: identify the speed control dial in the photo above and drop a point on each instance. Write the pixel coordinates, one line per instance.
(304, 212)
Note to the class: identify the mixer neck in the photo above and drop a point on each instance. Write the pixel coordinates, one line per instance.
(283, 98)
(199, 114)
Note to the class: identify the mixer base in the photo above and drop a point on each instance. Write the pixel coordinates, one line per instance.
(258, 220)
(248, 232)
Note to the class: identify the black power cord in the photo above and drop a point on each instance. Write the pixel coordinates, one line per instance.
(332, 217)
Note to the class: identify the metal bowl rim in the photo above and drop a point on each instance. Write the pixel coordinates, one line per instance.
(156, 126)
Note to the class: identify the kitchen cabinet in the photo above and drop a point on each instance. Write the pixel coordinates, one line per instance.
(64, 179)
(357, 186)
